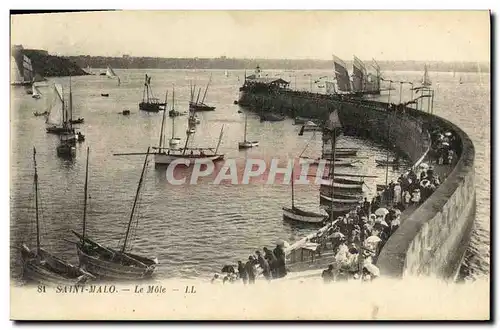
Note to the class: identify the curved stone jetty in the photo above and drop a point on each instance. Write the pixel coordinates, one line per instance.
(433, 239)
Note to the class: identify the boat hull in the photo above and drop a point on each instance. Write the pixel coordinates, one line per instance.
(66, 150)
(165, 159)
(200, 107)
(104, 269)
(341, 202)
(49, 270)
(247, 144)
(151, 107)
(290, 214)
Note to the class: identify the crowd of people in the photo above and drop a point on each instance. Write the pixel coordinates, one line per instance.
(356, 239)
(269, 264)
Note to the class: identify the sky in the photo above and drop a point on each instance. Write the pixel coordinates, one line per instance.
(383, 35)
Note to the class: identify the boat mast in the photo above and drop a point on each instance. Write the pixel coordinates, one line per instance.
(293, 195)
(85, 198)
(173, 105)
(36, 204)
(145, 86)
(220, 138)
(206, 89)
(198, 97)
(332, 170)
(135, 202)
(245, 136)
(163, 123)
(70, 102)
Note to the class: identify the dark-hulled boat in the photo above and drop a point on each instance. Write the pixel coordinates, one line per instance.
(296, 214)
(108, 263)
(41, 266)
(197, 105)
(77, 121)
(149, 101)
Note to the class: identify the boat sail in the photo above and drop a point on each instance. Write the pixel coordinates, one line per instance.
(247, 144)
(296, 214)
(110, 73)
(201, 106)
(108, 263)
(149, 101)
(16, 75)
(341, 75)
(426, 81)
(43, 267)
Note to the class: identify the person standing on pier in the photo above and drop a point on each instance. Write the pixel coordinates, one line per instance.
(271, 260)
(250, 270)
(264, 265)
(242, 272)
(281, 264)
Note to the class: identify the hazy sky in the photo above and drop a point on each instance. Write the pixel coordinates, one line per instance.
(384, 35)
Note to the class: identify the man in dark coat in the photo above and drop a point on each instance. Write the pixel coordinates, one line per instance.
(280, 257)
(242, 272)
(249, 267)
(271, 260)
(266, 271)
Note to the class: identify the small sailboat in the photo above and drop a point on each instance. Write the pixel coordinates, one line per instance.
(460, 81)
(58, 118)
(296, 214)
(39, 114)
(174, 141)
(110, 73)
(226, 74)
(426, 81)
(43, 267)
(200, 106)
(247, 144)
(149, 101)
(106, 262)
(165, 156)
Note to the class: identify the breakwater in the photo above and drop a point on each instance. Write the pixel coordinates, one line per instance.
(434, 238)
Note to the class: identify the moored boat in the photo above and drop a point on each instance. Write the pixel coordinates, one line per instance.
(197, 105)
(107, 263)
(247, 144)
(41, 266)
(39, 114)
(77, 121)
(149, 101)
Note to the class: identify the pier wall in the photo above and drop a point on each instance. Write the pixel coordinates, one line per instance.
(433, 240)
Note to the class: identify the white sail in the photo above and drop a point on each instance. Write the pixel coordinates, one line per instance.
(55, 106)
(110, 73)
(27, 69)
(426, 81)
(15, 73)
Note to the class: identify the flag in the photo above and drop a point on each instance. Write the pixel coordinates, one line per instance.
(333, 121)
(301, 131)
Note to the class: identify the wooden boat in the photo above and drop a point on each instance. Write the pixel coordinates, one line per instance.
(149, 102)
(105, 94)
(174, 141)
(102, 73)
(66, 147)
(165, 156)
(77, 121)
(126, 112)
(107, 263)
(339, 201)
(338, 163)
(193, 120)
(173, 113)
(38, 114)
(344, 152)
(350, 186)
(296, 214)
(247, 144)
(200, 106)
(59, 117)
(41, 266)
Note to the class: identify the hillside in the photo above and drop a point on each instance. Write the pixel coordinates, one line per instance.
(52, 66)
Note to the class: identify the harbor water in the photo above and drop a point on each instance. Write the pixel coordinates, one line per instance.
(195, 229)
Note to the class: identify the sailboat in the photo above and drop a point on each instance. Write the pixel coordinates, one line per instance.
(41, 266)
(149, 102)
(460, 81)
(426, 81)
(247, 144)
(201, 106)
(173, 112)
(165, 156)
(296, 214)
(106, 262)
(60, 117)
(110, 73)
(226, 74)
